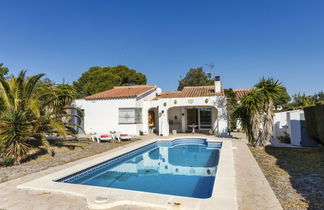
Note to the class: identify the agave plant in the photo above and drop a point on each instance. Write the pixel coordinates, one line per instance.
(31, 113)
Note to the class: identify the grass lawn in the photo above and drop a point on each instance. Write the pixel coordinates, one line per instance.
(60, 152)
(296, 175)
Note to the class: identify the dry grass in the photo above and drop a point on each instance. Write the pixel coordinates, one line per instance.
(60, 152)
(296, 175)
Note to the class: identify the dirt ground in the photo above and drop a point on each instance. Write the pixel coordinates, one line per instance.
(60, 152)
(296, 175)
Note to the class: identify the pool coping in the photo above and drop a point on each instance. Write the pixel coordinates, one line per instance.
(223, 196)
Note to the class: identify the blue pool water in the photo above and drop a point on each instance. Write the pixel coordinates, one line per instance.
(184, 167)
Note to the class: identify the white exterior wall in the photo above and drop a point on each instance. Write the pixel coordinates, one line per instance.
(177, 123)
(219, 102)
(102, 116)
(294, 127)
(280, 124)
(288, 122)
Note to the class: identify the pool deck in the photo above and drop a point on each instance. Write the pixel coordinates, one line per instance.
(252, 189)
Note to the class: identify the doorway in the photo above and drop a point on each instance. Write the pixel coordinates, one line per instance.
(192, 116)
(202, 117)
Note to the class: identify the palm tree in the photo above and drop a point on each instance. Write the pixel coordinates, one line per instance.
(269, 90)
(256, 110)
(30, 113)
(247, 113)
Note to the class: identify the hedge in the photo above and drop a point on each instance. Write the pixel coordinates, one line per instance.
(314, 117)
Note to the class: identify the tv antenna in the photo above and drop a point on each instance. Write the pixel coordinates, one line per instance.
(211, 69)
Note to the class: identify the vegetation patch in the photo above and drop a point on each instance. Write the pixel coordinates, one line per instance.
(314, 116)
(296, 175)
(6, 161)
(60, 152)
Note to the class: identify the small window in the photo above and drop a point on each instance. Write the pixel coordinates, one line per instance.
(130, 116)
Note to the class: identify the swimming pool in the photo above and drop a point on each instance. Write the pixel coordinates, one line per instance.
(183, 167)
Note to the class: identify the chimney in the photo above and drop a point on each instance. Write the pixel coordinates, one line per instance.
(218, 85)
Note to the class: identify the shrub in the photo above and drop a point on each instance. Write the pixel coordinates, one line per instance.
(319, 111)
(285, 138)
(314, 117)
(6, 161)
(311, 122)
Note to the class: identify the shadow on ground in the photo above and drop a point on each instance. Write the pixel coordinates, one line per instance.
(306, 169)
(40, 150)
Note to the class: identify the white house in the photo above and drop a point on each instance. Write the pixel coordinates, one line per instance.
(146, 109)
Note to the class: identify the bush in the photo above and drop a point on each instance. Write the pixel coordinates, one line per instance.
(314, 117)
(311, 122)
(319, 111)
(6, 161)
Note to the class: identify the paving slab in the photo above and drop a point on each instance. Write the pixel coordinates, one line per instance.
(253, 189)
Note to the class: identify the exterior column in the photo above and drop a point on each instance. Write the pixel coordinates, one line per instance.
(183, 119)
(222, 121)
(163, 122)
(145, 120)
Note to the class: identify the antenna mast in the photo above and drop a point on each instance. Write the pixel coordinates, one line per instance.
(211, 69)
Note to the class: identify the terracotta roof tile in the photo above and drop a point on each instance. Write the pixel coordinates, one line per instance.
(241, 92)
(199, 91)
(122, 92)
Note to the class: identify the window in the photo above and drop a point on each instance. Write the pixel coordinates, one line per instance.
(130, 115)
(205, 118)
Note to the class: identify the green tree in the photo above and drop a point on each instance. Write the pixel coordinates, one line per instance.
(248, 114)
(319, 96)
(300, 101)
(269, 91)
(3, 70)
(283, 99)
(98, 79)
(195, 77)
(30, 113)
(256, 110)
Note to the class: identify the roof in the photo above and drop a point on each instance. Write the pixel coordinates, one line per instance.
(241, 92)
(122, 92)
(199, 91)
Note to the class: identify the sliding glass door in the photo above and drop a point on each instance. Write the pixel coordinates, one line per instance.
(205, 118)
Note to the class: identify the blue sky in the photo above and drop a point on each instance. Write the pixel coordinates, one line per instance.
(245, 40)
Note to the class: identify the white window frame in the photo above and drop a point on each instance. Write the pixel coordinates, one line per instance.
(129, 116)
